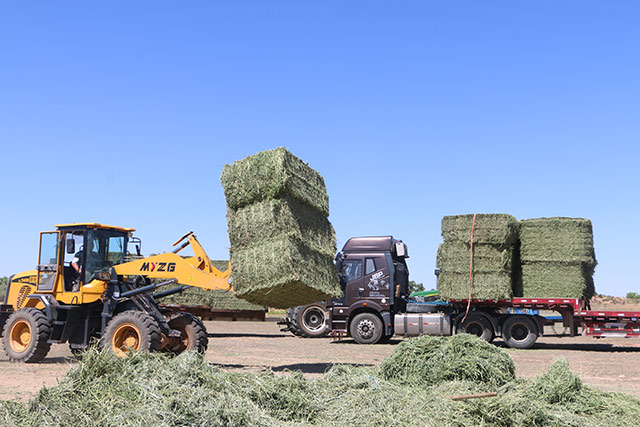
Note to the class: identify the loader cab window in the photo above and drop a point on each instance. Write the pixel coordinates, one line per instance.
(102, 250)
(351, 269)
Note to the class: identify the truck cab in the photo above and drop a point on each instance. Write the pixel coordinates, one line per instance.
(375, 284)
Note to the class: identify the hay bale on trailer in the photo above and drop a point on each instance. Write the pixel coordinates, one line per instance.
(557, 256)
(495, 259)
(282, 244)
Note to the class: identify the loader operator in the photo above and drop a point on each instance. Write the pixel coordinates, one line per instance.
(94, 262)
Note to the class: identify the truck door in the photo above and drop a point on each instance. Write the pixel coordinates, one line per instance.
(352, 276)
(377, 279)
(48, 260)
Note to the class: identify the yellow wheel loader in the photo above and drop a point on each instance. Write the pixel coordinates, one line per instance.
(88, 287)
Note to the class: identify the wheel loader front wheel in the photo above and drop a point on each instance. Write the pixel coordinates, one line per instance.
(193, 334)
(25, 336)
(131, 331)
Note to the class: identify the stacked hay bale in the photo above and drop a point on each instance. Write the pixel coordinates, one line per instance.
(558, 259)
(282, 244)
(495, 274)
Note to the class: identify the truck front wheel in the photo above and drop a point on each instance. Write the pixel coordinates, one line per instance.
(519, 332)
(366, 328)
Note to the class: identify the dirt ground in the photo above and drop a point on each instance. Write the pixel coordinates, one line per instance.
(610, 364)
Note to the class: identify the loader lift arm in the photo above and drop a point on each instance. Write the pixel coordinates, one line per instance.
(193, 271)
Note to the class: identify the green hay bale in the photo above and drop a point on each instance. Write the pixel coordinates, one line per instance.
(271, 174)
(498, 229)
(557, 280)
(455, 257)
(484, 286)
(218, 300)
(277, 218)
(428, 361)
(557, 239)
(283, 273)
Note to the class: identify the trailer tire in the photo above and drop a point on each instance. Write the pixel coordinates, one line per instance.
(194, 334)
(131, 330)
(519, 332)
(478, 325)
(366, 328)
(25, 336)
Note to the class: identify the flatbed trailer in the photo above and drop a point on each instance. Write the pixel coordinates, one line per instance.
(519, 321)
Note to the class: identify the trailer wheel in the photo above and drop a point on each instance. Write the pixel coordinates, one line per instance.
(25, 336)
(519, 332)
(193, 333)
(366, 328)
(131, 331)
(478, 325)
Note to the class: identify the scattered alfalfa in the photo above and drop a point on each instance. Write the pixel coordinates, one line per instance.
(156, 389)
(498, 229)
(276, 218)
(484, 286)
(431, 360)
(271, 174)
(283, 273)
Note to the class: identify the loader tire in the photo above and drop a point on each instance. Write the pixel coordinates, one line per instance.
(131, 330)
(25, 336)
(309, 321)
(194, 334)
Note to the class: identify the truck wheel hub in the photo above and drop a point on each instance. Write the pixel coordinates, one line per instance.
(313, 319)
(366, 328)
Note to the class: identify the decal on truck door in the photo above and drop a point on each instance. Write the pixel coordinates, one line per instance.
(377, 281)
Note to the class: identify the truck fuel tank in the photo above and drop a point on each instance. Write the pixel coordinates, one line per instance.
(414, 324)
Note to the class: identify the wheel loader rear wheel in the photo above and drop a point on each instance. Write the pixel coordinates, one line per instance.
(193, 333)
(25, 336)
(131, 331)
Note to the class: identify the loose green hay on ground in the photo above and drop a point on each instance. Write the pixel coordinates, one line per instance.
(558, 259)
(431, 360)
(282, 244)
(156, 389)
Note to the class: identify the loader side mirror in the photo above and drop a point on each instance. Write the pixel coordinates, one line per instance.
(71, 246)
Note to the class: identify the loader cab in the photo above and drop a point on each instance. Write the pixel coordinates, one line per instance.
(92, 247)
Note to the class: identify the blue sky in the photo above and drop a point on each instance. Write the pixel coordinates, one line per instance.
(125, 112)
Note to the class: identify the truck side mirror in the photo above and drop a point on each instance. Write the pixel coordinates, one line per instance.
(71, 246)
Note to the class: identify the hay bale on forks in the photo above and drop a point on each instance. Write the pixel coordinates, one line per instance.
(282, 244)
